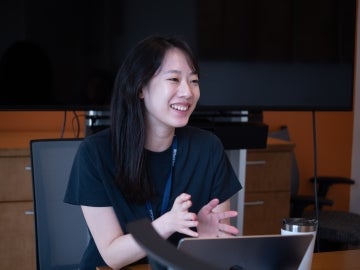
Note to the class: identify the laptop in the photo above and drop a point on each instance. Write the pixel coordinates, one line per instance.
(260, 252)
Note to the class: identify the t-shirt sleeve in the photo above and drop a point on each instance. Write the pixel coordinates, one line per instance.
(86, 181)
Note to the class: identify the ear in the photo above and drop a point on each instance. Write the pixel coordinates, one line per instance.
(141, 94)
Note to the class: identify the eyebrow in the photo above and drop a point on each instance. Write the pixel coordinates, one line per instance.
(172, 71)
(179, 72)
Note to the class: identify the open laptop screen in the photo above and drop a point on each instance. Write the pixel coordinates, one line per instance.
(261, 252)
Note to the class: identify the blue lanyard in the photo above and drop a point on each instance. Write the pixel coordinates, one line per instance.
(166, 196)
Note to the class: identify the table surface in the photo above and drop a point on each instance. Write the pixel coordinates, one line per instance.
(344, 260)
(334, 260)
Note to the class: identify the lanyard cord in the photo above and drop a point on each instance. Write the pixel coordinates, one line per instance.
(167, 191)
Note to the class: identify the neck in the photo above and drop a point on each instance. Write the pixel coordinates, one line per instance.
(159, 142)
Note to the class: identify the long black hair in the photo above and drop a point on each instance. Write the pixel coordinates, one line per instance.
(127, 112)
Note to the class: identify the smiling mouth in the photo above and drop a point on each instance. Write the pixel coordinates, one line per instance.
(179, 107)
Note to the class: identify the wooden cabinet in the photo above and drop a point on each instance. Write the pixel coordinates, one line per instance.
(17, 231)
(267, 187)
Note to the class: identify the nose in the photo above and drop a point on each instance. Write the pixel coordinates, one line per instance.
(186, 89)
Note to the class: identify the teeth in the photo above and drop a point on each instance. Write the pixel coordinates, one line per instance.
(179, 107)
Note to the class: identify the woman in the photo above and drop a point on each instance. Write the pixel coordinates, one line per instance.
(149, 163)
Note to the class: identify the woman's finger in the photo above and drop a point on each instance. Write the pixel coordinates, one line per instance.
(225, 215)
(210, 206)
(228, 229)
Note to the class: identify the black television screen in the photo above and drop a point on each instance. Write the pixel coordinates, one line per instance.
(254, 54)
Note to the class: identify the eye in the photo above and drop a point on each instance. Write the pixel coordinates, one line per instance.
(174, 79)
(195, 81)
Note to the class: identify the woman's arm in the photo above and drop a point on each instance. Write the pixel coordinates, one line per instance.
(119, 249)
(116, 249)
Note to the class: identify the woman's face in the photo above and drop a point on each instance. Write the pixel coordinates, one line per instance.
(172, 94)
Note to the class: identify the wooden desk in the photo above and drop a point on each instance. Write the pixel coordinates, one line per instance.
(336, 260)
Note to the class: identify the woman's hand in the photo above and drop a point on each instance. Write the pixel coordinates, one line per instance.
(214, 220)
(178, 219)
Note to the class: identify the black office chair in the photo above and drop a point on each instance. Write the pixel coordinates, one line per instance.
(60, 228)
(338, 230)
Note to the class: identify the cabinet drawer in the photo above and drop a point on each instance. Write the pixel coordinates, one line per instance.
(264, 212)
(17, 245)
(268, 171)
(15, 176)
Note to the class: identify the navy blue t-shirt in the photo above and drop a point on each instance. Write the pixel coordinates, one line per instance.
(201, 169)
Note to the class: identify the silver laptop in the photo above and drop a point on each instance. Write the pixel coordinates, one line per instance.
(261, 252)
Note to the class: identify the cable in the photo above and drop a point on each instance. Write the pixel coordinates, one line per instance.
(64, 125)
(315, 176)
(77, 129)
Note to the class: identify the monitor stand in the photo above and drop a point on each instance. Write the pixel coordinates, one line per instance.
(96, 121)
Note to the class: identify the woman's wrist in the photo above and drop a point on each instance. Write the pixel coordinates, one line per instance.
(162, 227)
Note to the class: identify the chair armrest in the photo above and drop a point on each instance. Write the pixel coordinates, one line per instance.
(300, 202)
(324, 183)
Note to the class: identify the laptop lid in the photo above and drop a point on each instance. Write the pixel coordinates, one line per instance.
(261, 252)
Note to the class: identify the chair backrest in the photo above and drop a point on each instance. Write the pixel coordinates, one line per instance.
(60, 228)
